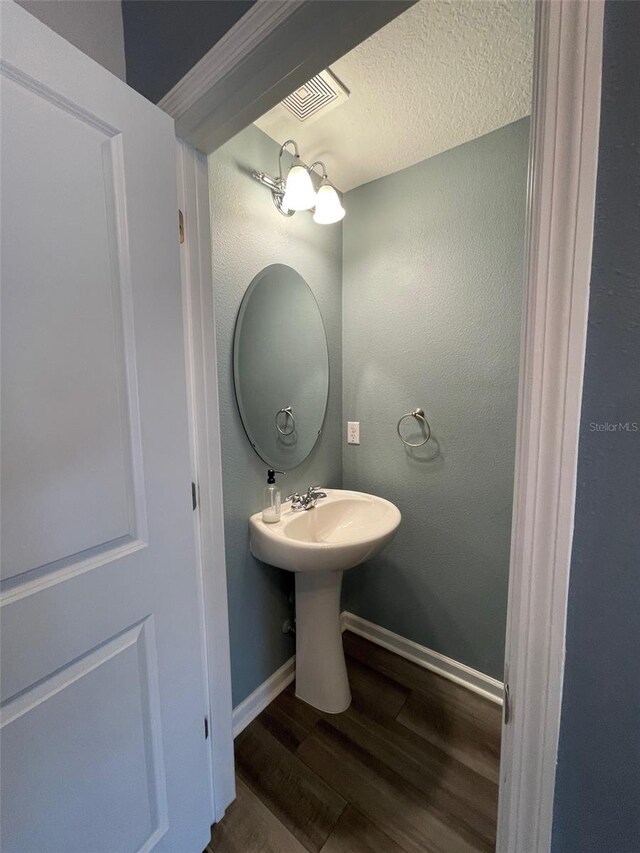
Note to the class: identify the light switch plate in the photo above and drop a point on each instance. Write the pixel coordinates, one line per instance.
(353, 432)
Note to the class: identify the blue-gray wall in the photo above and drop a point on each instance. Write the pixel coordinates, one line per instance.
(597, 806)
(165, 38)
(249, 234)
(93, 26)
(432, 282)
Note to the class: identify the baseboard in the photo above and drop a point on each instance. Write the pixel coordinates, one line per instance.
(462, 674)
(257, 701)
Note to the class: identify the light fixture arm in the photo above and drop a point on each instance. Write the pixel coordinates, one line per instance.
(324, 168)
(267, 180)
(283, 148)
(277, 185)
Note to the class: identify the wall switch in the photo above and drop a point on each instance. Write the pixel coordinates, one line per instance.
(353, 432)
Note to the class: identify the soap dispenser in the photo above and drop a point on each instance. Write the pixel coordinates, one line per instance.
(272, 498)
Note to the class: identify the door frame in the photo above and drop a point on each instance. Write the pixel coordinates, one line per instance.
(206, 464)
(274, 48)
(561, 201)
(562, 192)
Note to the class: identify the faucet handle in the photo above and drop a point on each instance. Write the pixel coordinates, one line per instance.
(294, 497)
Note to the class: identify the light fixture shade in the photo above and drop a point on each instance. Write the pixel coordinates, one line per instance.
(329, 209)
(299, 193)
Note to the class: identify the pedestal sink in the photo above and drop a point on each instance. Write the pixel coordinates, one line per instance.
(319, 545)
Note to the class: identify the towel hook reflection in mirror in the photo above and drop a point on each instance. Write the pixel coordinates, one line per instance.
(287, 411)
(419, 415)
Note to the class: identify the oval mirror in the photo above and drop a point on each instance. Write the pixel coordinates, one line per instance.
(281, 366)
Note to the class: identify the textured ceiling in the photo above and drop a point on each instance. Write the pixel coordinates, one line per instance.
(442, 73)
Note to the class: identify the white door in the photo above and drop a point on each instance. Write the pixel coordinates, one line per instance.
(103, 742)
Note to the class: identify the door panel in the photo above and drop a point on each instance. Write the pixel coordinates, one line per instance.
(70, 478)
(102, 695)
(108, 698)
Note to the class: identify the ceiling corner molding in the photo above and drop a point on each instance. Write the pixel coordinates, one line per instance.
(276, 47)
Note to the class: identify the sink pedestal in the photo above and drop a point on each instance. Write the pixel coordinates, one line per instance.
(321, 672)
(344, 529)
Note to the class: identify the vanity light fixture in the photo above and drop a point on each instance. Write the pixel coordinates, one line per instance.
(296, 191)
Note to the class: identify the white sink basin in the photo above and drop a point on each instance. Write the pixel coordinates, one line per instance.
(340, 532)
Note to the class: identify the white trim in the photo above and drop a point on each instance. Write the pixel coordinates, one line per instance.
(460, 673)
(256, 702)
(464, 675)
(262, 19)
(206, 460)
(270, 51)
(247, 33)
(560, 232)
(205, 103)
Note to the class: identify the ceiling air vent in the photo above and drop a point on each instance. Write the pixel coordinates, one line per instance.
(318, 95)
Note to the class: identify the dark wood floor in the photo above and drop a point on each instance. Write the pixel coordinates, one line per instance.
(412, 765)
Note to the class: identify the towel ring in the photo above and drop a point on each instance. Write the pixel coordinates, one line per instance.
(418, 414)
(287, 411)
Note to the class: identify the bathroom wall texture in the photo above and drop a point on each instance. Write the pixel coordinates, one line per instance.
(93, 26)
(597, 803)
(432, 284)
(248, 234)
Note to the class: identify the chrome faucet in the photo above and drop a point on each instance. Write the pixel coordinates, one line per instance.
(307, 501)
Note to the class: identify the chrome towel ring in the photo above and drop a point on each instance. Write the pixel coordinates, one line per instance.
(287, 411)
(418, 414)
